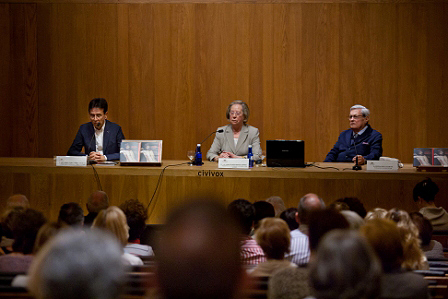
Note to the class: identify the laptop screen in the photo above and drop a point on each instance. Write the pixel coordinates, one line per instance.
(285, 153)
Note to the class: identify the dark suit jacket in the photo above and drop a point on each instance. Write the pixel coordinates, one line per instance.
(112, 138)
(369, 145)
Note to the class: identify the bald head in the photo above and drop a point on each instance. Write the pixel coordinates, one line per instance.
(308, 203)
(97, 201)
(192, 264)
(17, 200)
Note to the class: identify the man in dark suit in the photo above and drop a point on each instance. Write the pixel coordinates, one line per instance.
(100, 138)
(359, 141)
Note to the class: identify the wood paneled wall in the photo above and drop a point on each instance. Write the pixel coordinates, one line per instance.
(169, 71)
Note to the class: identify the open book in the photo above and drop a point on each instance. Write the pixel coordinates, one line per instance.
(141, 152)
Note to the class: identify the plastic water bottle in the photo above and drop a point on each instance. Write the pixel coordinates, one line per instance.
(250, 156)
(198, 156)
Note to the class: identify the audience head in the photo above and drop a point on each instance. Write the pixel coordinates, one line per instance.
(274, 237)
(424, 227)
(97, 201)
(385, 238)
(263, 210)
(76, 265)
(426, 191)
(346, 267)
(307, 204)
(323, 221)
(25, 226)
(113, 220)
(8, 219)
(354, 205)
(244, 213)
(339, 206)
(289, 216)
(403, 220)
(191, 263)
(136, 216)
(377, 213)
(45, 234)
(17, 200)
(278, 203)
(71, 214)
(353, 219)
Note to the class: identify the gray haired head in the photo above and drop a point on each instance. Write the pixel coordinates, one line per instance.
(365, 112)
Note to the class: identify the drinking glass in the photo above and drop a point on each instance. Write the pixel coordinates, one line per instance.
(190, 155)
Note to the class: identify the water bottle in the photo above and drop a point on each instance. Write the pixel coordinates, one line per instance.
(198, 156)
(250, 156)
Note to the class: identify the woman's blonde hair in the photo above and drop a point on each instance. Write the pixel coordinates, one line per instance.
(113, 220)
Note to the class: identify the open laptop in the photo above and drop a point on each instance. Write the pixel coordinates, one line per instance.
(285, 153)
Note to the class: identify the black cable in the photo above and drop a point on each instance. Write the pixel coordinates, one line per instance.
(159, 180)
(97, 178)
(320, 167)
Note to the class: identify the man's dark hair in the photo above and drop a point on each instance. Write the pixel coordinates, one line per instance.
(98, 103)
(354, 205)
(191, 264)
(244, 213)
(323, 221)
(426, 189)
(424, 226)
(71, 214)
(25, 226)
(136, 216)
(263, 209)
(289, 215)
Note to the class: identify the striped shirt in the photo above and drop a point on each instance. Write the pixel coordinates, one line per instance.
(138, 249)
(299, 250)
(251, 252)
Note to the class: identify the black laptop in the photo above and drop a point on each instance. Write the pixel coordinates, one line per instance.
(285, 153)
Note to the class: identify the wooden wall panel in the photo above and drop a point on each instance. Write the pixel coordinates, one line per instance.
(169, 71)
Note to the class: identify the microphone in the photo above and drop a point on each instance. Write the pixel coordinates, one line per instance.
(356, 166)
(90, 142)
(214, 132)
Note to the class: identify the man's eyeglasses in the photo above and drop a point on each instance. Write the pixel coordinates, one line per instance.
(355, 116)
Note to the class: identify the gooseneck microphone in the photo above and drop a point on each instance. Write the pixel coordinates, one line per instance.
(356, 166)
(214, 132)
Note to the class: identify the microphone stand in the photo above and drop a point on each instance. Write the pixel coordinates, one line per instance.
(356, 166)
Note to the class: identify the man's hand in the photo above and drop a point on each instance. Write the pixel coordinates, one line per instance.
(361, 159)
(97, 157)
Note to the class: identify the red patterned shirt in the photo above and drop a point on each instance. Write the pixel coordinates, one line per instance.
(251, 252)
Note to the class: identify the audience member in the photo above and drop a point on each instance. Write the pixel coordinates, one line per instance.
(136, 216)
(385, 238)
(97, 201)
(414, 258)
(339, 206)
(424, 195)
(299, 250)
(353, 219)
(113, 220)
(289, 216)
(377, 213)
(307, 204)
(244, 213)
(354, 205)
(278, 203)
(273, 236)
(345, 267)
(47, 232)
(25, 225)
(17, 200)
(71, 214)
(289, 283)
(263, 210)
(192, 263)
(77, 265)
(7, 218)
(432, 248)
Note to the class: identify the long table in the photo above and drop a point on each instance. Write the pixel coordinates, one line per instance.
(48, 186)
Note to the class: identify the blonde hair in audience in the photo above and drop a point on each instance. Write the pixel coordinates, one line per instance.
(377, 213)
(274, 237)
(45, 234)
(113, 220)
(414, 258)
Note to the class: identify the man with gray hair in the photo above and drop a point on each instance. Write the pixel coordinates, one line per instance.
(78, 264)
(299, 252)
(360, 141)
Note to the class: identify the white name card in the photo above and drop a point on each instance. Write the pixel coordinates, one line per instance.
(233, 163)
(382, 165)
(71, 160)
